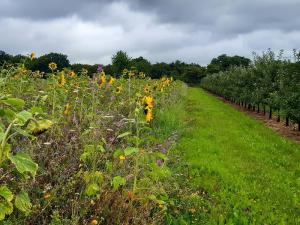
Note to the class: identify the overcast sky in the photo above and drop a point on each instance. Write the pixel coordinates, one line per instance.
(91, 31)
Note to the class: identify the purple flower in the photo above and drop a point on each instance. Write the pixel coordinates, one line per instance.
(159, 162)
(129, 177)
(164, 151)
(99, 69)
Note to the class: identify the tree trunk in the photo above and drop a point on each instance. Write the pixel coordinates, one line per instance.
(270, 114)
(298, 126)
(278, 115)
(264, 110)
(249, 106)
(287, 122)
(253, 108)
(258, 108)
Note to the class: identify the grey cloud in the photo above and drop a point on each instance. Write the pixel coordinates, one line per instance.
(43, 9)
(91, 31)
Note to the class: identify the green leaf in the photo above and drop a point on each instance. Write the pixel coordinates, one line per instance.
(6, 208)
(109, 166)
(100, 148)
(1, 136)
(124, 134)
(44, 98)
(36, 110)
(22, 202)
(130, 150)
(152, 197)
(14, 102)
(92, 189)
(161, 155)
(87, 153)
(24, 133)
(117, 182)
(93, 177)
(24, 163)
(9, 114)
(93, 181)
(117, 153)
(6, 193)
(23, 117)
(7, 150)
(2, 128)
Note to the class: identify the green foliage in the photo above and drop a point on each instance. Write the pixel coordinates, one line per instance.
(56, 219)
(142, 65)
(4, 57)
(120, 61)
(22, 202)
(130, 150)
(118, 181)
(6, 193)
(24, 163)
(14, 120)
(93, 182)
(268, 81)
(6, 208)
(223, 63)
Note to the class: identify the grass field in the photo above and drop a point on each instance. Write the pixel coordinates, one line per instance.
(231, 168)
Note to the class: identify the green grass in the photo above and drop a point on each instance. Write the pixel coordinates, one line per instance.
(234, 169)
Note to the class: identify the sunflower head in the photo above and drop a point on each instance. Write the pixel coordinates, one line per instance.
(142, 75)
(125, 71)
(118, 90)
(52, 66)
(147, 89)
(149, 101)
(32, 56)
(72, 74)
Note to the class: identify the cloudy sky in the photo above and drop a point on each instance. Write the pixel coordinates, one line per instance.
(90, 31)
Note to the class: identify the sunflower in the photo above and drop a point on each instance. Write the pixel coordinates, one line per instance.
(84, 72)
(149, 101)
(131, 73)
(62, 80)
(32, 56)
(147, 89)
(125, 71)
(52, 66)
(149, 116)
(148, 106)
(67, 109)
(142, 75)
(111, 81)
(118, 90)
(102, 78)
(72, 74)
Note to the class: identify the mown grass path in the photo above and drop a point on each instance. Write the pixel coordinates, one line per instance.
(240, 171)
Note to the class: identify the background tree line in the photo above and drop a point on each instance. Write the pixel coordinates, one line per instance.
(190, 73)
(270, 82)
